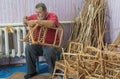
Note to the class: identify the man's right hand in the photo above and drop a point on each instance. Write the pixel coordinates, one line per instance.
(31, 23)
(25, 20)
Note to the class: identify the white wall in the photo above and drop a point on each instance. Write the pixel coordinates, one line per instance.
(114, 9)
(12, 11)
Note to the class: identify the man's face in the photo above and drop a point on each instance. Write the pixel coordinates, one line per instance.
(41, 13)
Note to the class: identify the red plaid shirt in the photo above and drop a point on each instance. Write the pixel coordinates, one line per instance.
(50, 32)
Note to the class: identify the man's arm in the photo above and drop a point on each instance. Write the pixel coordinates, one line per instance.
(46, 23)
(52, 21)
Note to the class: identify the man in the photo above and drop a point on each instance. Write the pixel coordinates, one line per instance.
(42, 18)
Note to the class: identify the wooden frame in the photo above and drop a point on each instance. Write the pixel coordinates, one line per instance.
(42, 36)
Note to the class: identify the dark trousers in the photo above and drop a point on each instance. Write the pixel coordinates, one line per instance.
(33, 51)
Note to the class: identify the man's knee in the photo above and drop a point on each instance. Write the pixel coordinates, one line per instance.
(49, 51)
(27, 47)
(58, 53)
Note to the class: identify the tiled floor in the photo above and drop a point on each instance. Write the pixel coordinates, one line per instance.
(20, 75)
(6, 71)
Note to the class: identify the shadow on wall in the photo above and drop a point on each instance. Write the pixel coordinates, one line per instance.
(107, 28)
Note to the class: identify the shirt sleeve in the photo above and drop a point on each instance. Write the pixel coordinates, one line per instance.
(32, 17)
(54, 18)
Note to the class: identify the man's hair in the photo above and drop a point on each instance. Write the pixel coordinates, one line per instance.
(41, 5)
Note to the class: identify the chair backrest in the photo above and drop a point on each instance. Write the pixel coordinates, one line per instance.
(75, 47)
(90, 60)
(91, 53)
(71, 59)
(112, 71)
(111, 56)
(74, 50)
(42, 36)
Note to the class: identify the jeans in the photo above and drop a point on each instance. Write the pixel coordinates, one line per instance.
(35, 50)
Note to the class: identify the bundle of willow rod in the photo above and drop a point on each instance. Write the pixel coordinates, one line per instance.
(90, 24)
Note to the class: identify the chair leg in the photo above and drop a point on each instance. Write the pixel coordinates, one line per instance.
(54, 72)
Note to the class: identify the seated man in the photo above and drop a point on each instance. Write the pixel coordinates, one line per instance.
(43, 18)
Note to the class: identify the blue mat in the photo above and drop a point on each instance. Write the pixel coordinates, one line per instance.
(7, 71)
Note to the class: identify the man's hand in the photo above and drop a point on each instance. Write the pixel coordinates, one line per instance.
(32, 23)
(25, 20)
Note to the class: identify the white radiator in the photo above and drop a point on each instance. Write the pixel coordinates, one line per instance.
(18, 47)
(10, 44)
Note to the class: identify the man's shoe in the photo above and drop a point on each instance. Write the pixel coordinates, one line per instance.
(30, 75)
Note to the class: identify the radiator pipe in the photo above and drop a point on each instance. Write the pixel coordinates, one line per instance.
(18, 42)
(24, 43)
(6, 43)
(1, 54)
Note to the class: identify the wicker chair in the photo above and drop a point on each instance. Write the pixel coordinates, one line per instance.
(70, 63)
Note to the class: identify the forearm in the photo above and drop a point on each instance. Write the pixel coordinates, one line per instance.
(46, 23)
